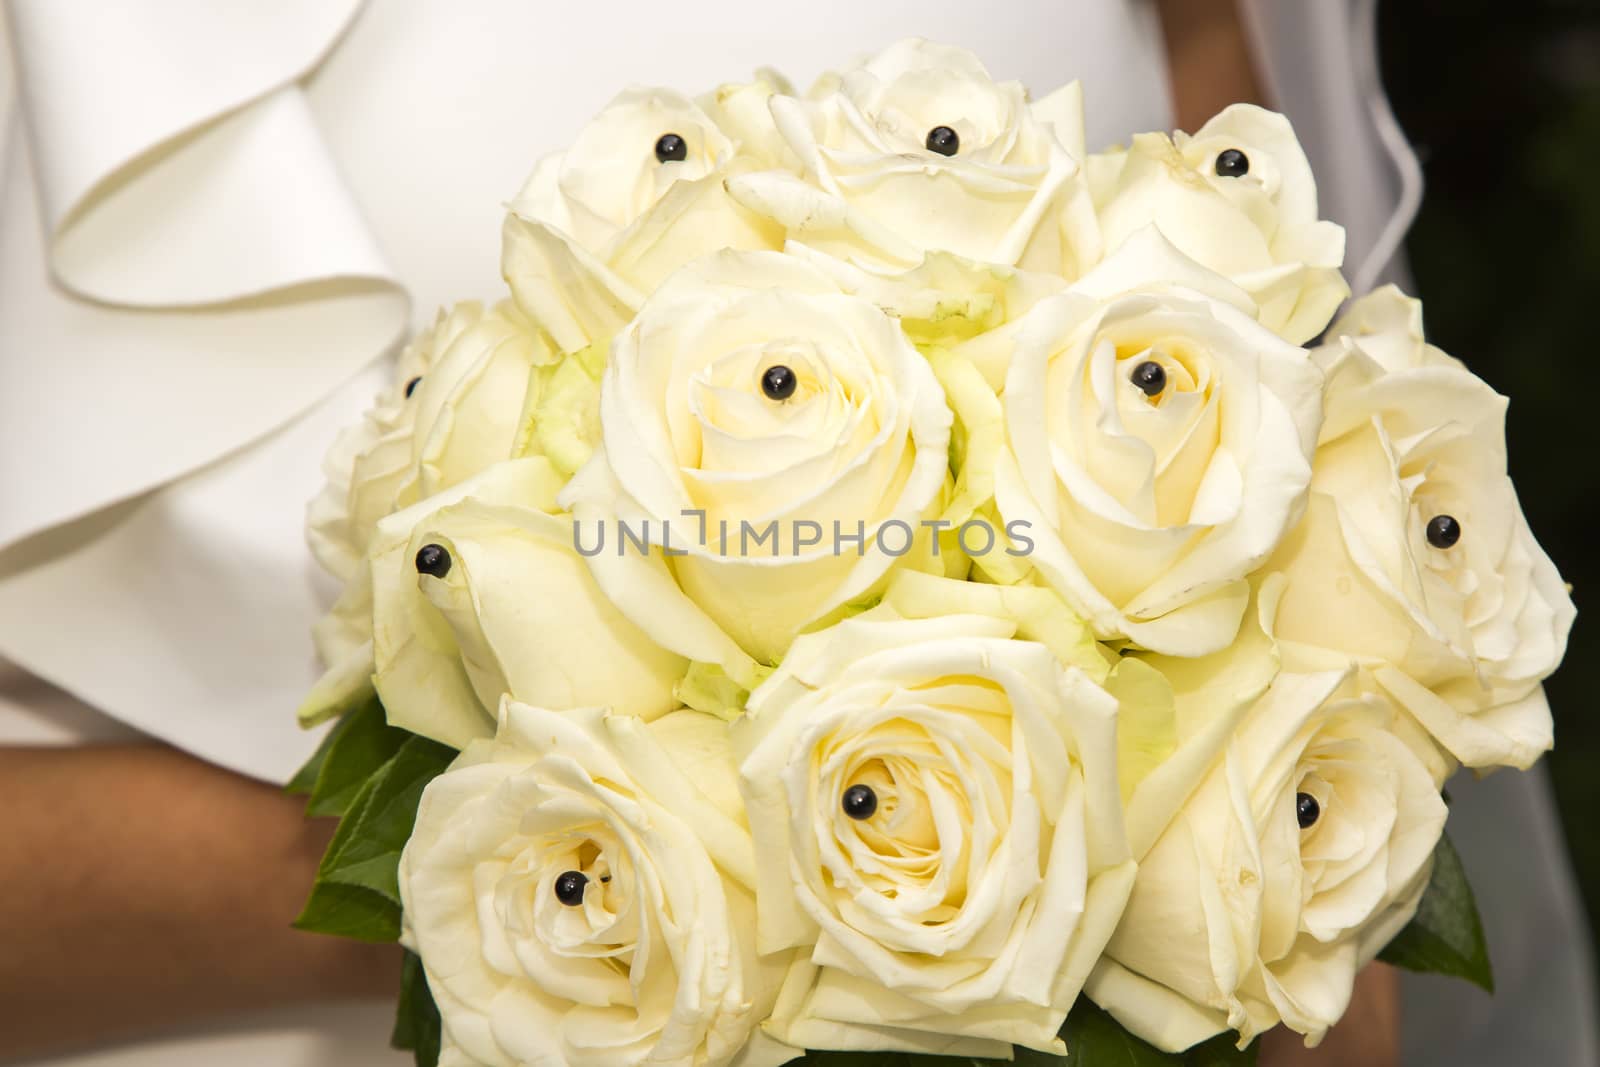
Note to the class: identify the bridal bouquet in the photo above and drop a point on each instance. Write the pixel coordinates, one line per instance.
(889, 580)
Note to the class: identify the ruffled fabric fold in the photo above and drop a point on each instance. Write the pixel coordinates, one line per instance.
(184, 276)
(210, 276)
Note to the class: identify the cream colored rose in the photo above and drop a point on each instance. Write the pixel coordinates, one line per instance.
(479, 592)
(1238, 197)
(938, 829)
(1414, 556)
(1157, 446)
(947, 304)
(373, 459)
(622, 163)
(578, 891)
(1302, 853)
(751, 415)
(919, 149)
(964, 317)
(638, 194)
(453, 410)
(743, 112)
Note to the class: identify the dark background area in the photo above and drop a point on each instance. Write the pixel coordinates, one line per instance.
(1502, 102)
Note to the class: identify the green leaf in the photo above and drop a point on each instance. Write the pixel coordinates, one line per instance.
(894, 1059)
(362, 742)
(305, 779)
(1221, 1051)
(357, 890)
(1094, 1039)
(350, 910)
(370, 856)
(416, 1017)
(345, 911)
(1446, 936)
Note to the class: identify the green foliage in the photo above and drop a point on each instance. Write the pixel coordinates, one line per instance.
(357, 889)
(1446, 937)
(894, 1059)
(349, 755)
(416, 1018)
(371, 775)
(305, 779)
(1094, 1039)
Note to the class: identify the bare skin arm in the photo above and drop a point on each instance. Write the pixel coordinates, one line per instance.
(1208, 59)
(1211, 66)
(142, 888)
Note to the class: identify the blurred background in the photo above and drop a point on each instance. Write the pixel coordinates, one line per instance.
(1503, 105)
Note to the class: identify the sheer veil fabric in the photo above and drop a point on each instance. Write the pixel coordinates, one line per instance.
(1320, 62)
(215, 222)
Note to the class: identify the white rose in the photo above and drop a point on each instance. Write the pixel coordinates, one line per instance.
(937, 823)
(1414, 556)
(1238, 197)
(373, 459)
(919, 149)
(947, 304)
(1158, 444)
(964, 317)
(577, 891)
(638, 194)
(1303, 852)
(452, 411)
(702, 455)
(622, 163)
(743, 112)
(478, 592)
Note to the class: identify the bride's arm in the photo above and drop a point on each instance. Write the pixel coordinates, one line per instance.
(141, 888)
(1208, 59)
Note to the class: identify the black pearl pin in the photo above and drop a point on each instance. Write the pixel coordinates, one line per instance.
(1150, 376)
(570, 887)
(434, 560)
(859, 802)
(943, 140)
(1443, 531)
(1306, 810)
(411, 386)
(670, 148)
(1232, 163)
(778, 382)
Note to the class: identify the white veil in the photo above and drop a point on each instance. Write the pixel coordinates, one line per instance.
(1321, 66)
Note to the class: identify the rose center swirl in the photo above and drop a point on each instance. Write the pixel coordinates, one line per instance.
(572, 894)
(937, 807)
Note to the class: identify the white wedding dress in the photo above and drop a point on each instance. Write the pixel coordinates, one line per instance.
(216, 218)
